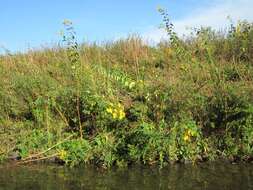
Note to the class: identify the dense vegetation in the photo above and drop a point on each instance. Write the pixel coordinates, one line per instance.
(126, 102)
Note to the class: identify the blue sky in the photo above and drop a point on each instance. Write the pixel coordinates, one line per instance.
(29, 23)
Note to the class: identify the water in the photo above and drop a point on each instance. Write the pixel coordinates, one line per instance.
(207, 176)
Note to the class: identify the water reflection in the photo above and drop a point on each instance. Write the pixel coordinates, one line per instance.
(207, 176)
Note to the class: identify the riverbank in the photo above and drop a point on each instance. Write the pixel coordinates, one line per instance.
(127, 102)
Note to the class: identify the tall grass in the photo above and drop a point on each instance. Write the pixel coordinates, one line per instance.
(182, 100)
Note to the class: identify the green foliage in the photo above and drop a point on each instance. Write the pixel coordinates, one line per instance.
(33, 141)
(125, 102)
(75, 152)
(176, 43)
(189, 140)
(72, 46)
(104, 150)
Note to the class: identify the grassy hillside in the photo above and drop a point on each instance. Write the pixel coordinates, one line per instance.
(126, 102)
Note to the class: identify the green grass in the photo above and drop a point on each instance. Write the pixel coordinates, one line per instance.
(127, 102)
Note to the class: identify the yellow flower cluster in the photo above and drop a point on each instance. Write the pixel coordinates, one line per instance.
(187, 135)
(116, 111)
(62, 154)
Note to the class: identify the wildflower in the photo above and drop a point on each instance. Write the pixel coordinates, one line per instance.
(187, 135)
(120, 106)
(109, 110)
(116, 111)
(121, 114)
(62, 154)
(114, 115)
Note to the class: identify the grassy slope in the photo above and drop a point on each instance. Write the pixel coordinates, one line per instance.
(126, 102)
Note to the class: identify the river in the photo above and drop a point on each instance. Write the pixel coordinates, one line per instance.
(204, 176)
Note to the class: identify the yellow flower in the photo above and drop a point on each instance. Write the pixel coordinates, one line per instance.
(62, 154)
(116, 111)
(187, 135)
(109, 110)
(121, 114)
(114, 114)
(120, 106)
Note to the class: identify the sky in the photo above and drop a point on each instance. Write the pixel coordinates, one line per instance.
(30, 24)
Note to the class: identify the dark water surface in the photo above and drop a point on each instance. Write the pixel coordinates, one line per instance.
(207, 176)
